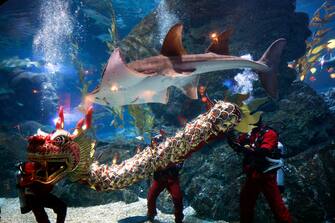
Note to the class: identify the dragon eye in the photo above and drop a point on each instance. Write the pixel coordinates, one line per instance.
(60, 140)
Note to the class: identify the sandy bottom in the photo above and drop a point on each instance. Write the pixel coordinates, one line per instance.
(111, 213)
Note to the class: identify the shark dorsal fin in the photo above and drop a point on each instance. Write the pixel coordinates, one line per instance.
(221, 44)
(173, 45)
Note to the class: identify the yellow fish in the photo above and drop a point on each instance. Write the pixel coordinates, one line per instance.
(322, 33)
(331, 44)
(313, 70)
(313, 58)
(329, 16)
(317, 49)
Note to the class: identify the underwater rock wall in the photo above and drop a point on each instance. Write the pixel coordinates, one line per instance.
(22, 97)
(212, 178)
(306, 127)
(329, 97)
(256, 24)
(12, 150)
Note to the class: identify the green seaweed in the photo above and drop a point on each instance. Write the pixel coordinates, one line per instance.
(143, 118)
(113, 29)
(80, 69)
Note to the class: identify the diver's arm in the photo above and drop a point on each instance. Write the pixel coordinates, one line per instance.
(268, 144)
(236, 144)
(26, 180)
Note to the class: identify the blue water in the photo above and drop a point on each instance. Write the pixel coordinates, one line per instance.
(43, 31)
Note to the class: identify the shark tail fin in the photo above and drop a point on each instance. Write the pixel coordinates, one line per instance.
(271, 58)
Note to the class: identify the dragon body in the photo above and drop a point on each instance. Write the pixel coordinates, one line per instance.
(64, 154)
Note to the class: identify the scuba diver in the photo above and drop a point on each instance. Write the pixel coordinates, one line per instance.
(262, 159)
(35, 196)
(165, 179)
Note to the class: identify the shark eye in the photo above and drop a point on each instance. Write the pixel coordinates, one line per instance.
(60, 140)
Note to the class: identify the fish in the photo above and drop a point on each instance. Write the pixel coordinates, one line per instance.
(141, 138)
(312, 43)
(147, 80)
(321, 33)
(313, 70)
(331, 44)
(98, 18)
(105, 38)
(316, 18)
(328, 63)
(329, 7)
(329, 16)
(16, 62)
(313, 58)
(317, 49)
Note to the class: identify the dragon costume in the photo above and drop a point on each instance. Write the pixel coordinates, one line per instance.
(72, 154)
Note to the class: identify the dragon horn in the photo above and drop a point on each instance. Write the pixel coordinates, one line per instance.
(79, 127)
(87, 121)
(60, 121)
(88, 117)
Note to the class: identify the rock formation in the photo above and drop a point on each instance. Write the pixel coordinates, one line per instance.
(212, 178)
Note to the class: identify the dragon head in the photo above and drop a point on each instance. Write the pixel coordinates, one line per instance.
(61, 153)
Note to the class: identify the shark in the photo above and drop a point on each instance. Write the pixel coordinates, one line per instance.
(147, 80)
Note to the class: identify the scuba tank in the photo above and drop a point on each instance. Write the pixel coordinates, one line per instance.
(275, 162)
(280, 172)
(21, 190)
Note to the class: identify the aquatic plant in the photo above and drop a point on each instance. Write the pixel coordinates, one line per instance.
(81, 73)
(113, 28)
(143, 118)
(248, 107)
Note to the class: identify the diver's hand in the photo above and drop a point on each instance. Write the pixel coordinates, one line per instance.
(248, 147)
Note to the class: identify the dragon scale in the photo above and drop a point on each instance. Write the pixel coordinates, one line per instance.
(72, 155)
(221, 118)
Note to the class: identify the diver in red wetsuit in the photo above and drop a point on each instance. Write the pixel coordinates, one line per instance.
(166, 179)
(260, 148)
(37, 196)
(169, 179)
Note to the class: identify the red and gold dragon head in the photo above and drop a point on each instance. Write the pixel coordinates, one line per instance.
(61, 153)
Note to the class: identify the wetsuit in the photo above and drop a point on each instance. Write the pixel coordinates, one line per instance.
(38, 197)
(263, 143)
(169, 179)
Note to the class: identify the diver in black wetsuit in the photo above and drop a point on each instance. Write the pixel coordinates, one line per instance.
(36, 196)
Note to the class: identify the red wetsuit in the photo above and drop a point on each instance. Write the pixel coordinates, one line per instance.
(169, 179)
(263, 142)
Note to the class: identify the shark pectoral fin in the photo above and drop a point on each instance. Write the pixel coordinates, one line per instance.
(117, 72)
(221, 44)
(271, 58)
(173, 44)
(191, 88)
